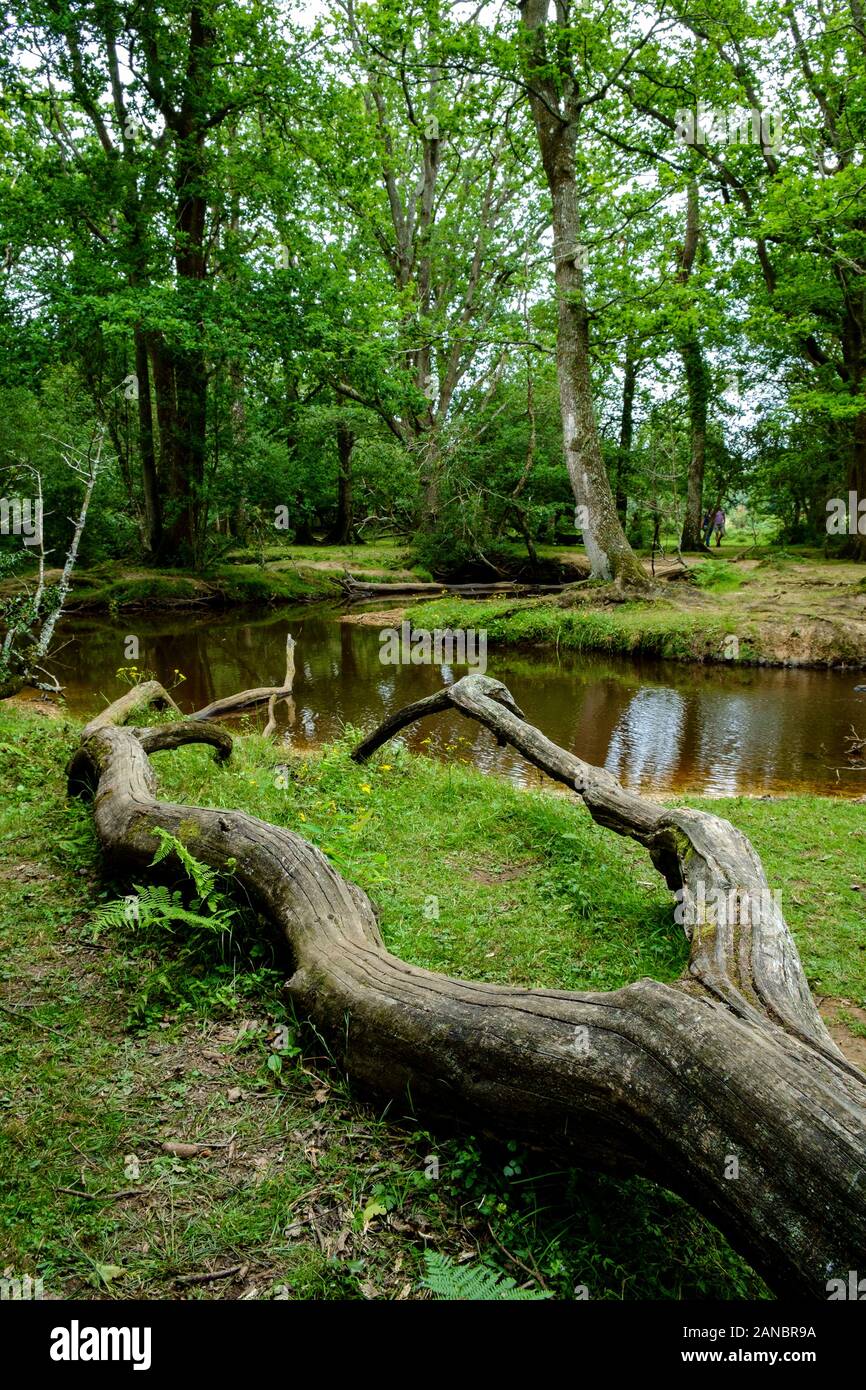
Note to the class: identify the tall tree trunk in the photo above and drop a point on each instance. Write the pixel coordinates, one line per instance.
(166, 418)
(555, 106)
(519, 514)
(186, 480)
(344, 525)
(301, 525)
(190, 126)
(697, 384)
(237, 522)
(697, 389)
(854, 547)
(147, 449)
(857, 482)
(626, 433)
(180, 385)
(430, 502)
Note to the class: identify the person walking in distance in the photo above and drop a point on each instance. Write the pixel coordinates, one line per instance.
(707, 525)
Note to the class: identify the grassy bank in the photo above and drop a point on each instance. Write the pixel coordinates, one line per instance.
(758, 607)
(116, 1041)
(278, 573)
(650, 629)
(780, 610)
(111, 588)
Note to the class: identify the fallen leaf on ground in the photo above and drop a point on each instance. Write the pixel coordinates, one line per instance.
(184, 1150)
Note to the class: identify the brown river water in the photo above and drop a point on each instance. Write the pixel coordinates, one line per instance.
(659, 726)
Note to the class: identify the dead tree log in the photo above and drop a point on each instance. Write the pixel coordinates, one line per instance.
(249, 699)
(726, 1087)
(357, 591)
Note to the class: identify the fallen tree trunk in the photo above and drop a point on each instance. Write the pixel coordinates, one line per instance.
(357, 590)
(249, 699)
(725, 1087)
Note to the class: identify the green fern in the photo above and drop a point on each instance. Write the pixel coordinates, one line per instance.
(195, 968)
(447, 1279)
(156, 905)
(203, 877)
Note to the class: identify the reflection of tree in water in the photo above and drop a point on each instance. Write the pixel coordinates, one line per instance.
(646, 743)
(741, 739)
(716, 729)
(188, 652)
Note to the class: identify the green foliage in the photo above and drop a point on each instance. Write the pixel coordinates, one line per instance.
(716, 576)
(201, 920)
(423, 328)
(473, 1282)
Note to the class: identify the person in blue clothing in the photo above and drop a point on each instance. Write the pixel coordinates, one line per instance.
(707, 525)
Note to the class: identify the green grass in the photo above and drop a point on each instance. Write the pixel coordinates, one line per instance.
(108, 587)
(111, 1050)
(287, 575)
(252, 584)
(813, 848)
(382, 554)
(652, 629)
(102, 588)
(578, 909)
(717, 577)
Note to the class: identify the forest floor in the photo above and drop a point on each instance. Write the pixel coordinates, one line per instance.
(118, 1043)
(782, 608)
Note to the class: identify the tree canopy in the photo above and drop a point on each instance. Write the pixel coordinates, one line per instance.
(395, 265)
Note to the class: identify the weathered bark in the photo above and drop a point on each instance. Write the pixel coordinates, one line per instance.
(697, 384)
(556, 108)
(670, 1082)
(357, 589)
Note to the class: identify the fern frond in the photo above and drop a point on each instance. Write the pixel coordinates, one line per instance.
(203, 877)
(447, 1279)
(155, 905)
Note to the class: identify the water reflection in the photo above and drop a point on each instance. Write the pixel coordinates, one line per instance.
(658, 726)
(646, 746)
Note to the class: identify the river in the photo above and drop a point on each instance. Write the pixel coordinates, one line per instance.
(659, 726)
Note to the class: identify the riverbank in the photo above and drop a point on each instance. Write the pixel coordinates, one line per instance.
(275, 574)
(775, 611)
(119, 1042)
(767, 608)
